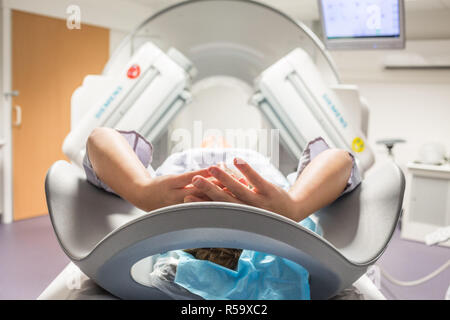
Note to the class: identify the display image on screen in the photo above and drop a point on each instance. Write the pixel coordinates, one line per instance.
(361, 18)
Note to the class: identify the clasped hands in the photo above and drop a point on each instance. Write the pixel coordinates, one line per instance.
(215, 184)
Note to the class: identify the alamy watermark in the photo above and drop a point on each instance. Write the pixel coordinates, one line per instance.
(73, 20)
(264, 142)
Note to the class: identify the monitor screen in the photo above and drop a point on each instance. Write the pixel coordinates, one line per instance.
(345, 21)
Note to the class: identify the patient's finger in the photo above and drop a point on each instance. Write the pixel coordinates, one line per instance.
(192, 198)
(241, 191)
(183, 179)
(190, 190)
(212, 179)
(214, 192)
(217, 182)
(260, 184)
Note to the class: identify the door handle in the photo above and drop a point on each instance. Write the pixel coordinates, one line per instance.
(18, 121)
(13, 93)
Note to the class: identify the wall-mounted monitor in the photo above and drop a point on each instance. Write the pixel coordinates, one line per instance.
(363, 24)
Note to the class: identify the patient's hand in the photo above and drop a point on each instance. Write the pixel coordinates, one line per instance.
(226, 188)
(168, 190)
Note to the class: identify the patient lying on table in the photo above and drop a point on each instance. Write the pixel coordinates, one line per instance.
(117, 161)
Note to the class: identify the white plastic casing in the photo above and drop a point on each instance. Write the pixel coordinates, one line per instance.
(295, 98)
(145, 96)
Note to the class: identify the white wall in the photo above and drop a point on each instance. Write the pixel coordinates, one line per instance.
(409, 104)
(416, 112)
(115, 38)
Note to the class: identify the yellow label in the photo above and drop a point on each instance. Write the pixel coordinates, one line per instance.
(358, 145)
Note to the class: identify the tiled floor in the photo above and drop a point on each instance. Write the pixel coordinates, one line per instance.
(30, 258)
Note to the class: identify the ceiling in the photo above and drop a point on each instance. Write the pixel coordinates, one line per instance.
(425, 19)
(308, 9)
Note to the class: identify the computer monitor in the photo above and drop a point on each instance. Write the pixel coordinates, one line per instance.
(363, 24)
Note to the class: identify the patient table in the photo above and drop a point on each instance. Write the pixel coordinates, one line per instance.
(109, 239)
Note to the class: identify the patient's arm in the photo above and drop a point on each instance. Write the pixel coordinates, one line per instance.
(117, 165)
(320, 183)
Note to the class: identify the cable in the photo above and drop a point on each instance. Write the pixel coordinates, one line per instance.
(415, 282)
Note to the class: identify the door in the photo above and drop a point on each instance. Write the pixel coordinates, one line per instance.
(49, 62)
